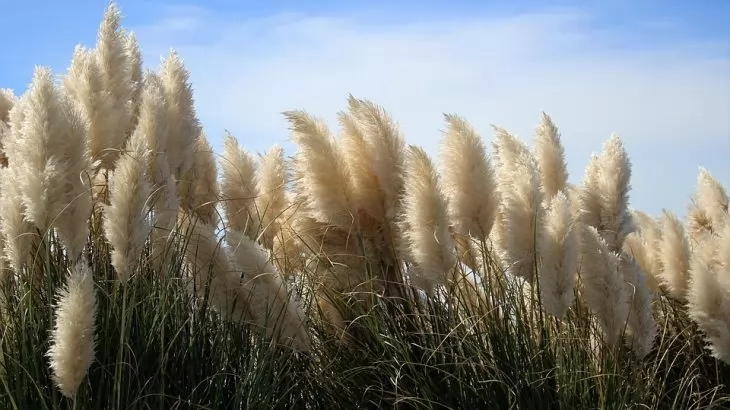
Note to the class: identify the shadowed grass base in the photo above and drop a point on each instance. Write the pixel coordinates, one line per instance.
(157, 347)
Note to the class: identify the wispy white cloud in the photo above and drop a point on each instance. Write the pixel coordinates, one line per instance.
(670, 105)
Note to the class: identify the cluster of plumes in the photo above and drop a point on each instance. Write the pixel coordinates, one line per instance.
(353, 214)
(691, 263)
(113, 141)
(515, 201)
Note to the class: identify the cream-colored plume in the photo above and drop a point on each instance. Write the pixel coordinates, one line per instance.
(52, 176)
(605, 194)
(205, 188)
(7, 100)
(426, 223)
(559, 252)
(127, 223)
(238, 188)
(674, 254)
(643, 244)
(550, 157)
(387, 150)
(709, 291)
(18, 232)
(603, 287)
(116, 79)
(84, 84)
(709, 210)
(641, 326)
(325, 176)
(468, 179)
(272, 200)
(521, 211)
(134, 55)
(153, 125)
(183, 125)
(73, 341)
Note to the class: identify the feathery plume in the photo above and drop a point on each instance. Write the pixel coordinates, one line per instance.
(643, 244)
(323, 170)
(205, 182)
(550, 157)
(468, 179)
(134, 56)
(126, 221)
(605, 291)
(84, 84)
(641, 326)
(184, 127)
(387, 150)
(17, 231)
(238, 188)
(558, 244)
(272, 200)
(674, 254)
(73, 341)
(708, 295)
(426, 231)
(7, 100)
(367, 195)
(521, 212)
(116, 79)
(605, 194)
(709, 210)
(56, 160)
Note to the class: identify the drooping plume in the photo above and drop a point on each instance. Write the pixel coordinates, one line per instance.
(550, 157)
(211, 271)
(468, 179)
(265, 293)
(426, 224)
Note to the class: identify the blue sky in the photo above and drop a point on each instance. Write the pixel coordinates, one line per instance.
(655, 72)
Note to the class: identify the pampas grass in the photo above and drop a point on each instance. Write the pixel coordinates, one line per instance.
(429, 244)
(357, 272)
(73, 339)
